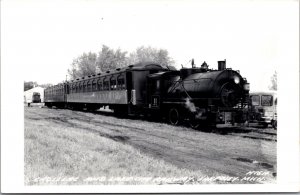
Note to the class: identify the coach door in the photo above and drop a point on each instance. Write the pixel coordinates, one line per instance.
(154, 92)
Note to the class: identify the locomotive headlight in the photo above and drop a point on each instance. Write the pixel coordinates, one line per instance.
(236, 80)
(247, 87)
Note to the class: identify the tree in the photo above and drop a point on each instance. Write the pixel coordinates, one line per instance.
(29, 85)
(109, 59)
(143, 54)
(274, 82)
(84, 65)
(46, 85)
(91, 63)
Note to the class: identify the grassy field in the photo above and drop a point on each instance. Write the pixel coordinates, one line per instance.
(60, 154)
(71, 147)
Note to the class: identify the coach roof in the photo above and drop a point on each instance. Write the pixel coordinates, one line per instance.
(139, 67)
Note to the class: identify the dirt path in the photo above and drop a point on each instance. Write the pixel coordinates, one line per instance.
(212, 153)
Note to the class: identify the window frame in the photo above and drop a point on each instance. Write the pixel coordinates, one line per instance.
(259, 101)
(100, 84)
(113, 82)
(94, 85)
(106, 86)
(271, 100)
(121, 86)
(89, 85)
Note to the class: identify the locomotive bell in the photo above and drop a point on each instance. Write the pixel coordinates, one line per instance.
(222, 65)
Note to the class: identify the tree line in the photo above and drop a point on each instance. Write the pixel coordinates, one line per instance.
(108, 59)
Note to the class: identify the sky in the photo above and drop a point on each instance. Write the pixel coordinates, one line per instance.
(39, 39)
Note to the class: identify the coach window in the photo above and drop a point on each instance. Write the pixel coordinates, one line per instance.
(99, 84)
(94, 85)
(105, 84)
(76, 87)
(83, 86)
(86, 86)
(89, 85)
(121, 82)
(113, 83)
(79, 86)
(157, 84)
(73, 87)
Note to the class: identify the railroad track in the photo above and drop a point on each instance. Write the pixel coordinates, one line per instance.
(268, 134)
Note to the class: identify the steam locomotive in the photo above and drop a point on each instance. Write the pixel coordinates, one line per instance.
(198, 95)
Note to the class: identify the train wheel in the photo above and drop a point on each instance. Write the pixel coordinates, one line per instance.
(194, 123)
(48, 105)
(174, 118)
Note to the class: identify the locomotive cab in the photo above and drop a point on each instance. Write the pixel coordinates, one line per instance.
(154, 91)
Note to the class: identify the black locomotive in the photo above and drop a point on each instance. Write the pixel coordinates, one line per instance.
(36, 97)
(198, 95)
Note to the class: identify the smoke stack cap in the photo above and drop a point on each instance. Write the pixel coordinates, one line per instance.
(222, 65)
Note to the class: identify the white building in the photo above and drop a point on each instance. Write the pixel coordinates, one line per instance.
(28, 94)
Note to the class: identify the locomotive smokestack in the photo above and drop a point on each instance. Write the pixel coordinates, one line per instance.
(193, 63)
(222, 65)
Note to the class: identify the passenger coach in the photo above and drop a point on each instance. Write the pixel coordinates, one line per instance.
(123, 90)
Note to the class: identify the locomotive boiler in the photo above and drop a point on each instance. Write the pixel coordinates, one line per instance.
(199, 95)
